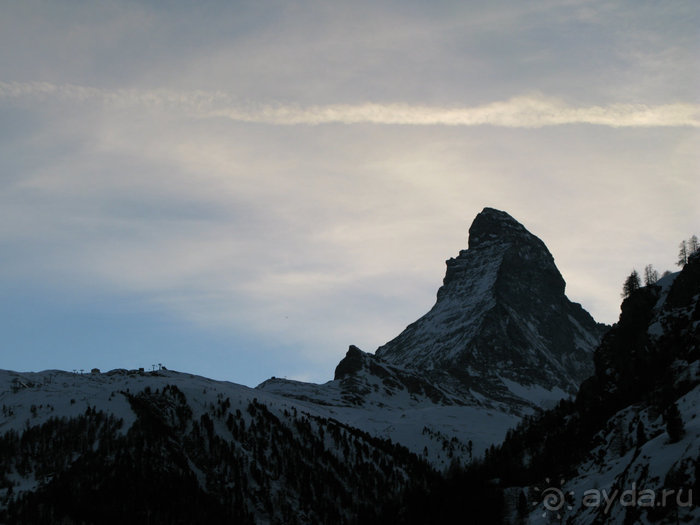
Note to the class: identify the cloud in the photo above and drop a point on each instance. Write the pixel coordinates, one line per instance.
(533, 111)
(518, 112)
(306, 236)
(288, 178)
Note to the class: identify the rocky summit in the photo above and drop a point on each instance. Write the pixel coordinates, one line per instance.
(502, 327)
(502, 338)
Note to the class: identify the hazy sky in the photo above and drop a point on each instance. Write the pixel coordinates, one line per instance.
(243, 189)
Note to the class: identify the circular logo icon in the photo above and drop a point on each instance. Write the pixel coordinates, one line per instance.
(553, 499)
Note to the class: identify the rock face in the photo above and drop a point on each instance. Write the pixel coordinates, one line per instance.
(502, 326)
(502, 341)
(633, 427)
(357, 368)
(352, 363)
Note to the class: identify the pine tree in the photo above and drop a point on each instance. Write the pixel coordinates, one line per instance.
(686, 249)
(632, 284)
(650, 275)
(682, 253)
(693, 245)
(674, 423)
(641, 434)
(522, 507)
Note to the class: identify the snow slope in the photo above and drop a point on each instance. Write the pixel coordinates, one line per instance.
(627, 450)
(250, 453)
(502, 341)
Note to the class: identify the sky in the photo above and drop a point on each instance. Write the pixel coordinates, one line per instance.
(243, 189)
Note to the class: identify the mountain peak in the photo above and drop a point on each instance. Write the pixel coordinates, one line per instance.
(501, 318)
(492, 224)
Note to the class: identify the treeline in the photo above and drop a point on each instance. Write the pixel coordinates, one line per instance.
(230, 464)
(633, 282)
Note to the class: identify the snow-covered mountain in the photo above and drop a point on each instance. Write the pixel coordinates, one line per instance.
(502, 325)
(166, 447)
(501, 341)
(627, 449)
(644, 453)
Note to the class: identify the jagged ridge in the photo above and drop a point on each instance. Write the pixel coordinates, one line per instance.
(501, 317)
(631, 429)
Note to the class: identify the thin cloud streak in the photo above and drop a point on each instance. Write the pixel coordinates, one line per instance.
(517, 112)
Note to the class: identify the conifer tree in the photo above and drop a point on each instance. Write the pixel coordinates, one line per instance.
(522, 507)
(650, 275)
(686, 249)
(641, 434)
(682, 253)
(632, 283)
(674, 423)
(693, 245)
